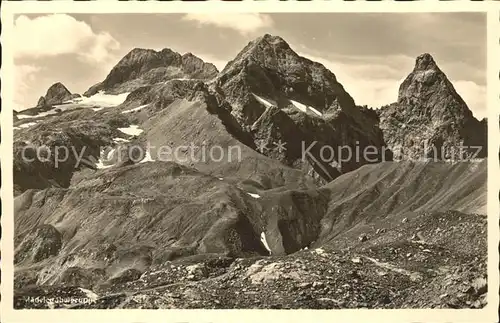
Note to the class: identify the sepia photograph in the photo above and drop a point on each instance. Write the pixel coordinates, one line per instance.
(253, 160)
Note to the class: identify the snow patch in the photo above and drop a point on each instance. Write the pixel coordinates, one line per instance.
(41, 114)
(120, 140)
(132, 130)
(254, 195)
(265, 102)
(316, 111)
(136, 109)
(110, 154)
(221, 179)
(27, 125)
(178, 79)
(304, 108)
(299, 106)
(100, 165)
(146, 158)
(264, 241)
(75, 100)
(25, 116)
(99, 99)
(104, 100)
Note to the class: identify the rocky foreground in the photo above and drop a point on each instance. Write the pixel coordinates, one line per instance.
(418, 263)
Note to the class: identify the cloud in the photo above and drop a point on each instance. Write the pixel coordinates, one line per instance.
(60, 34)
(369, 84)
(375, 81)
(26, 72)
(474, 95)
(244, 23)
(207, 58)
(23, 76)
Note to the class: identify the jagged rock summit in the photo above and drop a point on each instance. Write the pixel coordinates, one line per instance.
(268, 67)
(430, 119)
(428, 87)
(142, 67)
(56, 94)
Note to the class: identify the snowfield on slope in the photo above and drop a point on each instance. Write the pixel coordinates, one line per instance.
(147, 158)
(100, 164)
(304, 108)
(132, 130)
(100, 100)
(118, 139)
(42, 114)
(135, 109)
(264, 102)
(27, 125)
(301, 107)
(103, 100)
(264, 241)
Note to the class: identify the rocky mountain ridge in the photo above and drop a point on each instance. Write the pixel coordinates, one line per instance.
(428, 111)
(142, 232)
(146, 66)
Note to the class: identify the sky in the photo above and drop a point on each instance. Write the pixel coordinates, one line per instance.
(369, 53)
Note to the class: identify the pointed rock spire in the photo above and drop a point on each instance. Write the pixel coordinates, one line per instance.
(57, 94)
(429, 112)
(270, 68)
(425, 62)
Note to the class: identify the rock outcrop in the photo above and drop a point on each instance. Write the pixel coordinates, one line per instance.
(43, 243)
(56, 94)
(430, 119)
(49, 154)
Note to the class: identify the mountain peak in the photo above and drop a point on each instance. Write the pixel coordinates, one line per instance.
(430, 110)
(271, 39)
(425, 80)
(268, 42)
(58, 86)
(140, 50)
(425, 61)
(264, 45)
(148, 66)
(56, 94)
